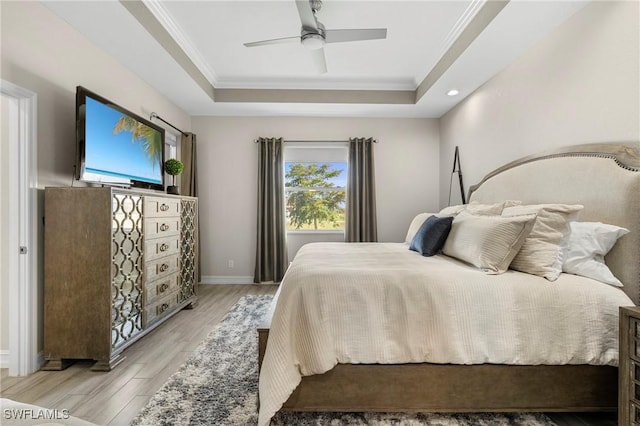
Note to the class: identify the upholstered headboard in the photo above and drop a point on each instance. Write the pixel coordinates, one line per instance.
(604, 178)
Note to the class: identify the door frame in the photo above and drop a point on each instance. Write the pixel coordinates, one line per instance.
(24, 317)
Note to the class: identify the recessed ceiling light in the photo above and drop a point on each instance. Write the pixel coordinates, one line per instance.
(453, 92)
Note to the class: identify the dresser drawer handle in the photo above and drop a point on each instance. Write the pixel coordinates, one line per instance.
(164, 207)
(164, 227)
(164, 247)
(164, 267)
(163, 308)
(163, 287)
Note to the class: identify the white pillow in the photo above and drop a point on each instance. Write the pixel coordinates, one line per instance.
(487, 242)
(585, 248)
(541, 253)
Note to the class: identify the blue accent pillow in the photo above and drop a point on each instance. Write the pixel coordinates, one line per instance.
(432, 235)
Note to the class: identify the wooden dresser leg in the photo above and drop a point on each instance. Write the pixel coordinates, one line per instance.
(107, 364)
(192, 304)
(56, 364)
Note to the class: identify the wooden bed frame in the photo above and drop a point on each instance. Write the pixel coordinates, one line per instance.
(490, 387)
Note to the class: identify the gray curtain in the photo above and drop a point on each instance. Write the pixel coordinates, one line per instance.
(271, 244)
(361, 224)
(189, 182)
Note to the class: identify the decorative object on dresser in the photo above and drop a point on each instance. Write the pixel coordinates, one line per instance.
(117, 264)
(174, 168)
(629, 370)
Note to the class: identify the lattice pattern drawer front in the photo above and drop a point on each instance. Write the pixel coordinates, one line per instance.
(161, 247)
(161, 227)
(188, 249)
(161, 268)
(161, 207)
(126, 268)
(161, 288)
(160, 308)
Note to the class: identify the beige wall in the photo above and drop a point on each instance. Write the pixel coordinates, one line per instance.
(579, 85)
(42, 53)
(4, 224)
(406, 177)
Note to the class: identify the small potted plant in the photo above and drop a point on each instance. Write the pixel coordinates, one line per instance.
(174, 168)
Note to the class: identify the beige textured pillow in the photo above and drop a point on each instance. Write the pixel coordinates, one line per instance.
(512, 203)
(452, 210)
(541, 253)
(487, 242)
(475, 208)
(416, 223)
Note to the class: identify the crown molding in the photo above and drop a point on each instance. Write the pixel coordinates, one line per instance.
(254, 82)
(179, 36)
(462, 23)
(475, 26)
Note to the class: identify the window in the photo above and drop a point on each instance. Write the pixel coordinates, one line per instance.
(170, 151)
(315, 187)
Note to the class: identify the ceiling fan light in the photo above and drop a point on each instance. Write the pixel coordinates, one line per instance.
(312, 41)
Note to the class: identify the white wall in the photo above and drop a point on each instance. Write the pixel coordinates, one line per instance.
(4, 224)
(581, 84)
(406, 177)
(42, 53)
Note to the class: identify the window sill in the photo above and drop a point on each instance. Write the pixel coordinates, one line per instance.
(314, 232)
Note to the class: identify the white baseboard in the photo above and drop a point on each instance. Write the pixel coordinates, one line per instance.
(226, 279)
(4, 358)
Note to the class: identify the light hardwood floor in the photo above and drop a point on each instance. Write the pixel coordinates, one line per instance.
(116, 397)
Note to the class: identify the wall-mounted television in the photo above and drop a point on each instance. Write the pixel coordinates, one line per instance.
(116, 146)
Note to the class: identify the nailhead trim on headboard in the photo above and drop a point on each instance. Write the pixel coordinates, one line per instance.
(616, 151)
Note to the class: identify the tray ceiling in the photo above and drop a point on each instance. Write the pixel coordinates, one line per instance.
(193, 52)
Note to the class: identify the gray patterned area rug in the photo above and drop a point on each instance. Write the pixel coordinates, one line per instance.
(218, 385)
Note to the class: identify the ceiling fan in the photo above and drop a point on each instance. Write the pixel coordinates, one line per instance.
(313, 35)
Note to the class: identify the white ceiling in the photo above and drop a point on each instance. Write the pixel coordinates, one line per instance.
(212, 33)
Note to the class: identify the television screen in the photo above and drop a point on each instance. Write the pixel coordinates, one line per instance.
(116, 146)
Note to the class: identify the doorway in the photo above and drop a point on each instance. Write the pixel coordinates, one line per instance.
(19, 250)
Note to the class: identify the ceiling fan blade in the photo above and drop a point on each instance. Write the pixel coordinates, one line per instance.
(339, 36)
(319, 60)
(273, 41)
(307, 18)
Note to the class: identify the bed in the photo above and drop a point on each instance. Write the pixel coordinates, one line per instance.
(362, 327)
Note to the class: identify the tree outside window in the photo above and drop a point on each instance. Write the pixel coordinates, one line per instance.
(315, 195)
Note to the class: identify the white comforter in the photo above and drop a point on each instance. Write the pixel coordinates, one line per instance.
(382, 303)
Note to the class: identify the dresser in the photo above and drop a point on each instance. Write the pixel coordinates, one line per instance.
(629, 367)
(117, 264)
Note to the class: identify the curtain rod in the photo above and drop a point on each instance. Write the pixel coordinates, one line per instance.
(374, 141)
(154, 115)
